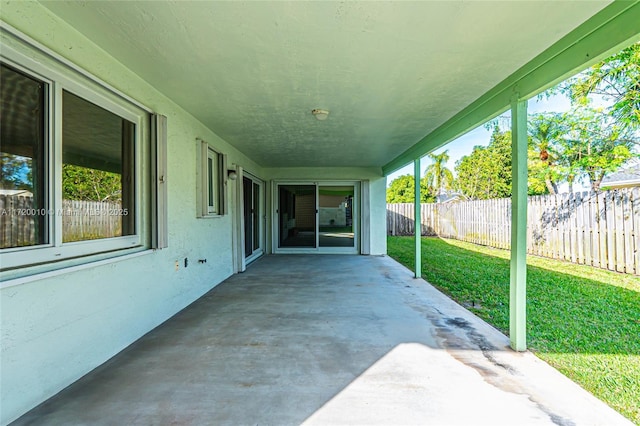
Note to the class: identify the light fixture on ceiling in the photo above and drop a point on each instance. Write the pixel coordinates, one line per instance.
(320, 114)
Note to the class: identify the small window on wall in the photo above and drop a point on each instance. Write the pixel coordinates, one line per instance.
(211, 180)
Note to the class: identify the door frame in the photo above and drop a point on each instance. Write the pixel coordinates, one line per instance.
(243, 260)
(275, 222)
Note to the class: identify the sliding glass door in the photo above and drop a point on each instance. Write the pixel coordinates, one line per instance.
(297, 216)
(335, 224)
(316, 217)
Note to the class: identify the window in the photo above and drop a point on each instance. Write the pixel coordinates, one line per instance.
(212, 182)
(211, 179)
(98, 191)
(23, 180)
(70, 165)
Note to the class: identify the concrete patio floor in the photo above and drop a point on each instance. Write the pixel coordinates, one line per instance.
(306, 339)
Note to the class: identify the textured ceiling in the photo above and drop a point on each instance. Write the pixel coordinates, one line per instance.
(389, 73)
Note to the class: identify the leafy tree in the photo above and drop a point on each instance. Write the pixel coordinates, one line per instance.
(437, 175)
(583, 143)
(402, 190)
(15, 172)
(617, 78)
(589, 143)
(486, 172)
(545, 130)
(82, 183)
(594, 145)
(538, 171)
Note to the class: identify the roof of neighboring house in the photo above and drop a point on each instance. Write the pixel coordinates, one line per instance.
(23, 192)
(629, 176)
(450, 197)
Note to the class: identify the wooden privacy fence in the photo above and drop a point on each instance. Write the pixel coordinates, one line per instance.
(598, 229)
(89, 220)
(81, 220)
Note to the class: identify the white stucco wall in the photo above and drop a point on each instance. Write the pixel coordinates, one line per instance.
(378, 212)
(57, 326)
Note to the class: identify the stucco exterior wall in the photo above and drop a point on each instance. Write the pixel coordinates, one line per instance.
(378, 215)
(56, 327)
(59, 325)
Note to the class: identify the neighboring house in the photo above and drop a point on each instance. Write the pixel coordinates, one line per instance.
(211, 117)
(627, 177)
(16, 192)
(450, 197)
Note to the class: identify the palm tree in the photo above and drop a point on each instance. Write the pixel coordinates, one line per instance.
(544, 132)
(437, 175)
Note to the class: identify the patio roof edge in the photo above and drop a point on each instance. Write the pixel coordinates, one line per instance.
(609, 30)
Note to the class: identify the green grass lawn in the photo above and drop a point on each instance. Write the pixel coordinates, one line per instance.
(582, 320)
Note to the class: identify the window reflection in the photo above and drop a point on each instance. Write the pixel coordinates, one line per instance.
(336, 216)
(23, 206)
(97, 172)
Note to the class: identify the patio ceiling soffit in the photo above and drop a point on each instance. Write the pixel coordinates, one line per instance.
(611, 29)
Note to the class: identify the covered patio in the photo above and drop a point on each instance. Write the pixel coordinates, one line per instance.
(212, 117)
(324, 340)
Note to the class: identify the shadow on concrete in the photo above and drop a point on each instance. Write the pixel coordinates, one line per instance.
(566, 313)
(322, 340)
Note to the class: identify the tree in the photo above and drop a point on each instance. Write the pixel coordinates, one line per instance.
(600, 141)
(582, 143)
(437, 175)
(86, 184)
(402, 190)
(486, 172)
(538, 170)
(617, 78)
(15, 172)
(594, 145)
(545, 130)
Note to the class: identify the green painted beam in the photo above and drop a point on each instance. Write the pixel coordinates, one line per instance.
(613, 28)
(519, 174)
(417, 219)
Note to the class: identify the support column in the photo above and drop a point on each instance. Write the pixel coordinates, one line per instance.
(417, 218)
(518, 282)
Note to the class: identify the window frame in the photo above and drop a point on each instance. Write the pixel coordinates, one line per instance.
(213, 179)
(47, 152)
(210, 185)
(58, 76)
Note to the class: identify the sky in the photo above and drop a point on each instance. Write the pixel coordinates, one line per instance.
(481, 136)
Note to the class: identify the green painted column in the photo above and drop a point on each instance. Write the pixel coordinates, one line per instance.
(417, 223)
(518, 283)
